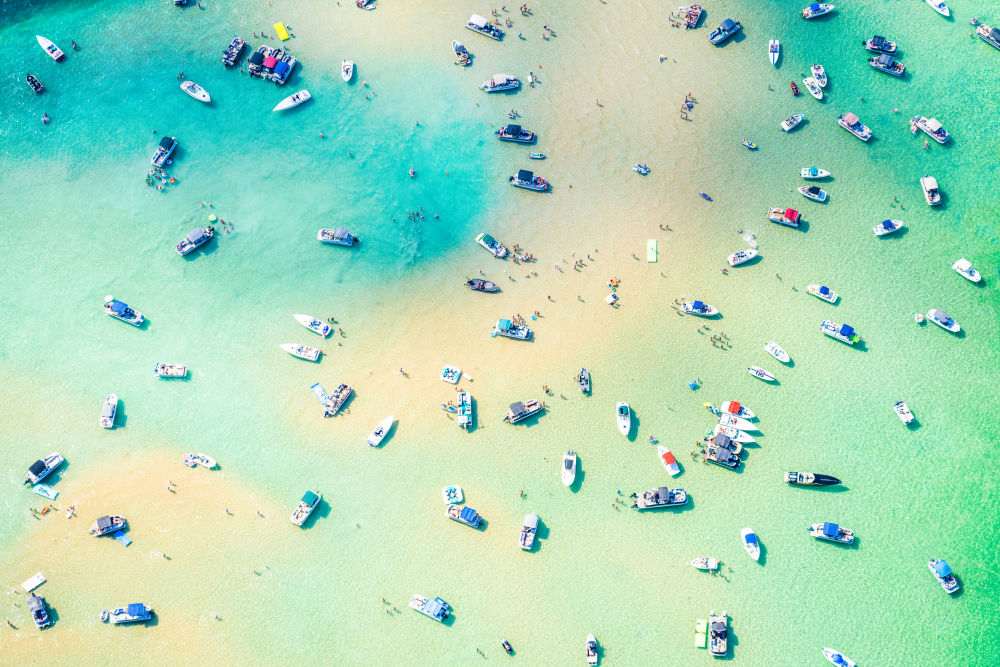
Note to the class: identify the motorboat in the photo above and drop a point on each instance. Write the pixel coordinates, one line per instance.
(942, 572)
(133, 613)
(759, 372)
(569, 462)
(623, 415)
(718, 638)
(742, 257)
(816, 9)
(461, 53)
(283, 69)
(691, 16)
(823, 292)
(885, 63)
(107, 524)
(591, 650)
(451, 374)
(819, 74)
(640, 169)
(943, 320)
(54, 51)
(347, 70)
(879, 44)
(34, 83)
(521, 410)
(777, 352)
(466, 515)
(852, 124)
(813, 87)
(989, 35)
(939, 7)
(750, 543)
(379, 433)
(500, 82)
(527, 180)
(813, 192)
(903, 412)
(367, 5)
(39, 612)
(301, 351)
(109, 411)
(508, 329)
(293, 100)
(795, 89)
(452, 494)
(792, 122)
(42, 468)
(832, 533)
(506, 646)
(310, 501)
(733, 434)
(737, 410)
(668, 460)
(333, 402)
(726, 419)
(810, 479)
(196, 91)
(788, 217)
(477, 23)
(583, 380)
(774, 51)
(813, 173)
(255, 63)
(233, 52)
(338, 236)
(722, 451)
(705, 563)
(196, 238)
(750, 146)
(659, 497)
(528, 531)
(194, 459)
(515, 133)
(964, 268)
(845, 333)
(726, 29)
(478, 285)
(699, 308)
(314, 325)
(463, 404)
(536, 156)
(931, 193)
(887, 227)
(436, 609)
(837, 658)
(498, 249)
(932, 128)
(163, 370)
(163, 151)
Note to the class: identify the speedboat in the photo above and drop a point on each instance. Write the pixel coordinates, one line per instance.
(964, 268)
(943, 320)
(515, 133)
(814, 173)
(293, 100)
(788, 217)
(837, 658)
(233, 51)
(500, 82)
(583, 379)
(813, 87)
(591, 650)
(462, 53)
(528, 531)
(347, 70)
(314, 325)
(853, 124)
(338, 236)
(733, 434)
(198, 459)
(163, 370)
(823, 292)
(196, 91)
(466, 515)
(989, 35)
(759, 372)
(42, 468)
(163, 151)
(308, 504)
(699, 308)
(301, 351)
(39, 614)
(939, 7)
(845, 333)
(536, 156)
(932, 128)
(879, 44)
(810, 479)
(943, 574)
(777, 352)
(705, 563)
(903, 412)
(378, 434)
(659, 497)
(669, 462)
(887, 227)
(774, 51)
(885, 63)
(477, 23)
(726, 29)
(107, 524)
(751, 146)
(742, 257)
(196, 238)
(750, 543)
(726, 419)
(34, 83)
(819, 74)
(816, 9)
(54, 51)
(436, 609)
(133, 613)
(452, 494)
(498, 249)
(737, 410)
(623, 415)
(478, 285)
(109, 411)
(569, 468)
(527, 180)
(931, 193)
(813, 192)
(522, 410)
(718, 626)
(508, 329)
(832, 533)
(464, 409)
(640, 169)
(451, 374)
(792, 122)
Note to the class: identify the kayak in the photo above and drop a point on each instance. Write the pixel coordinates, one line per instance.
(705, 196)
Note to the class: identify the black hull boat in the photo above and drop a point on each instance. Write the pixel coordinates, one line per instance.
(482, 285)
(35, 84)
(810, 479)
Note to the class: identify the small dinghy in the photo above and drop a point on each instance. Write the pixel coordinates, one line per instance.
(34, 83)
(777, 352)
(536, 156)
(759, 372)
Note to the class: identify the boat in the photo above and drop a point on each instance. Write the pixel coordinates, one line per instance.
(885, 63)
(989, 35)
(726, 29)
(452, 494)
(932, 128)
(462, 53)
(939, 7)
(903, 412)
(109, 411)
(301, 351)
(918, 318)
(506, 646)
(163, 152)
(759, 372)
(367, 5)
(623, 415)
(133, 613)
(42, 468)
(705, 563)
(823, 292)
(792, 122)
(233, 52)
(466, 515)
(515, 133)
(500, 82)
(293, 100)
(314, 325)
(335, 401)
(691, 16)
(591, 650)
(943, 320)
(887, 227)
(498, 249)
(170, 370)
(347, 70)
(54, 51)
(196, 91)
(521, 410)
(120, 311)
(750, 543)
(196, 238)
(477, 23)
(569, 468)
(733, 421)
(819, 74)
(464, 409)
(107, 524)
(737, 410)
(845, 333)
(528, 531)
(255, 62)
(931, 193)
(812, 173)
(308, 504)
(38, 611)
(705, 196)
(832, 533)
(660, 497)
(749, 144)
(813, 87)
(34, 83)
(722, 451)
(527, 180)
(436, 609)
(699, 308)
(193, 459)
(536, 156)
(852, 124)
(795, 89)
(668, 460)
(942, 572)
(963, 268)
(774, 51)
(816, 9)
(640, 169)
(508, 329)
(742, 257)
(837, 658)
(718, 637)
(270, 62)
(338, 236)
(583, 380)
(380, 431)
(733, 434)
(451, 374)
(879, 44)
(813, 192)
(788, 217)
(777, 352)
(810, 479)
(283, 69)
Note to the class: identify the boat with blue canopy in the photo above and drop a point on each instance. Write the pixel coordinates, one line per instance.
(436, 609)
(135, 612)
(699, 308)
(283, 68)
(466, 515)
(822, 292)
(831, 532)
(845, 333)
(120, 311)
(942, 572)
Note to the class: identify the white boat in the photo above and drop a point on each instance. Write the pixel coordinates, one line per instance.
(301, 351)
(734, 434)
(788, 217)
(669, 462)
(308, 504)
(813, 87)
(196, 91)
(742, 257)
(816, 9)
(500, 82)
(705, 563)
(887, 227)
(813, 192)
(989, 35)
(624, 417)
(452, 494)
(792, 122)
(170, 370)
(823, 292)
(109, 411)
(314, 325)
(774, 51)
(347, 70)
(964, 268)
(737, 410)
(750, 543)
(819, 74)
(759, 372)
(932, 128)
(939, 7)
(378, 434)
(199, 459)
(903, 412)
(845, 333)
(837, 658)
(54, 51)
(293, 100)
(528, 531)
(741, 423)
(498, 249)
(464, 409)
(853, 124)
(777, 352)
(943, 320)
(121, 311)
(699, 308)
(931, 193)
(810, 173)
(569, 468)
(591, 650)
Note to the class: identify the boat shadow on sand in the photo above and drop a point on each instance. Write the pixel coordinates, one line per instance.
(580, 475)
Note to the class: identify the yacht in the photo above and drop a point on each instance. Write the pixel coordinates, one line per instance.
(591, 650)
(887, 227)
(726, 29)
(308, 504)
(462, 53)
(528, 531)
(845, 333)
(498, 249)
(810, 479)
(823, 292)
(338, 236)
(931, 193)
(464, 409)
(813, 87)
(569, 468)
(107, 524)
(733, 434)
(283, 69)
(964, 268)
(133, 613)
(932, 128)
(705, 563)
(812, 173)
(718, 626)
(293, 100)
(723, 451)
(39, 613)
(34, 83)
(816, 9)
(774, 51)
(832, 532)
(436, 609)
(989, 35)
(788, 217)
(942, 573)
(109, 411)
(792, 122)
(837, 658)
(314, 325)
(885, 63)
(669, 462)
(853, 124)
(699, 308)
(233, 52)
(120, 311)
(659, 497)
(879, 44)
(477, 285)
(301, 351)
(515, 133)
(466, 515)
(196, 238)
(737, 410)
(508, 329)
(527, 180)
(54, 51)
(42, 468)
(367, 5)
(742, 257)
(522, 410)
(583, 380)
(477, 23)
(943, 320)
(750, 543)
(903, 412)
(777, 352)
(347, 70)
(726, 419)
(939, 7)
(163, 370)
(379, 433)
(759, 372)
(196, 91)
(163, 152)
(623, 415)
(819, 73)
(500, 82)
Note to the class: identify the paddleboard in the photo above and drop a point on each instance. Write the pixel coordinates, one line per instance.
(651, 251)
(33, 583)
(700, 636)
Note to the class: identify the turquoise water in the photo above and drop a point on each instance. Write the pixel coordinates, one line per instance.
(79, 223)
